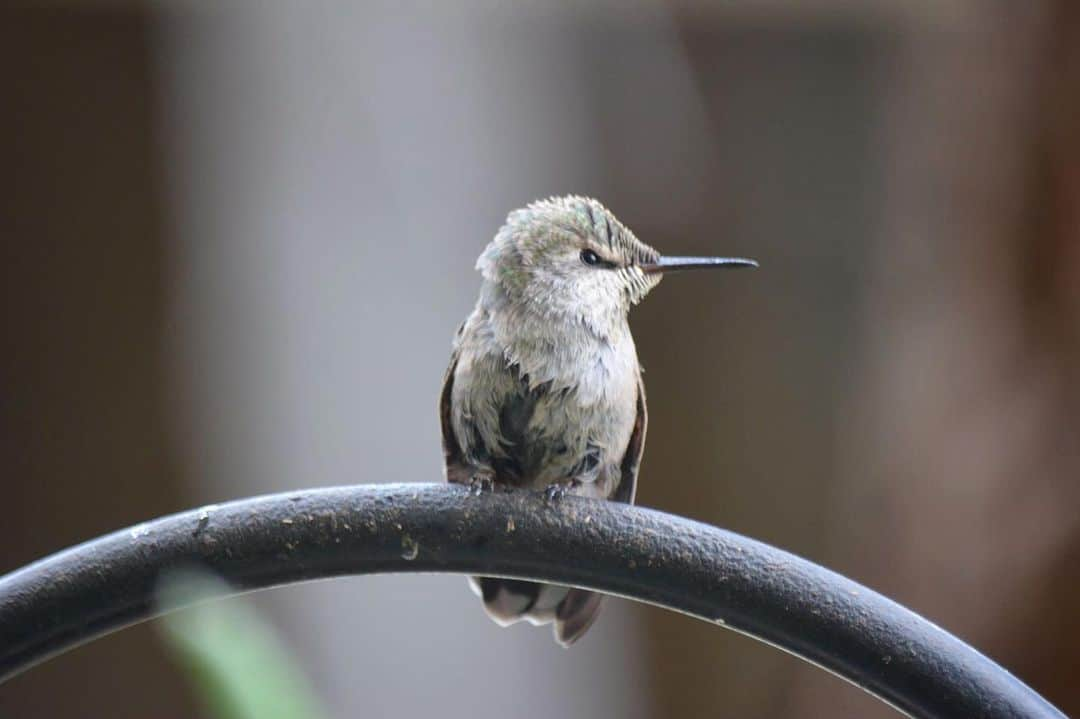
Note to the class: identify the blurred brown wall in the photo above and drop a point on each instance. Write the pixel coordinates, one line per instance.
(744, 371)
(958, 490)
(83, 446)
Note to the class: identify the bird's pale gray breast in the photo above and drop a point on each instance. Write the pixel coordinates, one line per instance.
(536, 433)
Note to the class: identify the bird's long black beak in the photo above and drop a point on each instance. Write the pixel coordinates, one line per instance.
(678, 264)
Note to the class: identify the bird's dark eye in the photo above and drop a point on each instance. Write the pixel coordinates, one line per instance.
(590, 258)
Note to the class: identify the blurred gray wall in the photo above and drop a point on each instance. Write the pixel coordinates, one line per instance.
(337, 172)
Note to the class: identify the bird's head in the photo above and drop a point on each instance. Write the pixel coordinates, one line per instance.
(571, 259)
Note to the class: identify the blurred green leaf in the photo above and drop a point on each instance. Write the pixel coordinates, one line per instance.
(239, 666)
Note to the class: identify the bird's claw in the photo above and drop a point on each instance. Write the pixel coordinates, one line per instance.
(481, 484)
(555, 492)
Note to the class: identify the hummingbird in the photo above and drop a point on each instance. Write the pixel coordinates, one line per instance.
(544, 388)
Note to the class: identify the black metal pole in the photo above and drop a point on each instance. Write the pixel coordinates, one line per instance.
(108, 583)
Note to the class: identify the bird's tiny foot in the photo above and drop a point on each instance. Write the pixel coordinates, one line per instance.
(555, 492)
(481, 484)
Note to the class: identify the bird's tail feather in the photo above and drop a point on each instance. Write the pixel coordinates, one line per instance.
(511, 600)
(576, 613)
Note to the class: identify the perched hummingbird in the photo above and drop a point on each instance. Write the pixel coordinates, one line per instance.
(544, 387)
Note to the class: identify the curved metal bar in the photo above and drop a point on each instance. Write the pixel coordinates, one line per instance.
(108, 583)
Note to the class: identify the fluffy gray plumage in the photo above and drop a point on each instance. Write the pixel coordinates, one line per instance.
(544, 386)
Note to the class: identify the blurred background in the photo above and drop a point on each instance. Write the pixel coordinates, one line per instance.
(236, 242)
